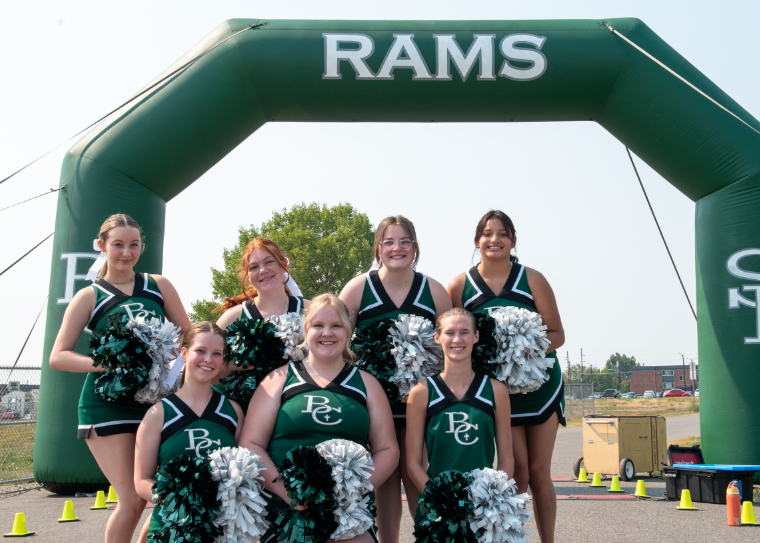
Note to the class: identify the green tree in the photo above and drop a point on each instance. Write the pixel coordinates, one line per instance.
(625, 386)
(327, 247)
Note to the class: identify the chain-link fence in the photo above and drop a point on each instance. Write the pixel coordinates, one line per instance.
(19, 397)
(579, 400)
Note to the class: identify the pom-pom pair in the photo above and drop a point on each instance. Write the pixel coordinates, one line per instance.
(512, 348)
(481, 506)
(399, 353)
(333, 480)
(259, 347)
(211, 499)
(136, 355)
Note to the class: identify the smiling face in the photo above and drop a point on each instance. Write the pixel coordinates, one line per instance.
(397, 248)
(457, 336)
(264, 271)
(204, 357)
(326, 335)
(494, 242)
(122, 248)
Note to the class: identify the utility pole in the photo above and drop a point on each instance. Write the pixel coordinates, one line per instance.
(618, 372)
(683, 365)
(567, 354)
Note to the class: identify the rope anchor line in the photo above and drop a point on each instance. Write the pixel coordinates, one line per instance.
(51, 191)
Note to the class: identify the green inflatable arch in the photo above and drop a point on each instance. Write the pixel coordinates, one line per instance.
(428, 71)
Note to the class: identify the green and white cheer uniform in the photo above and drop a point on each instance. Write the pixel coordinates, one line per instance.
(310, 414)
(125, 414)
(376, 304)
(186, 432)
(534, 407)
(460, 434)
(251, 312)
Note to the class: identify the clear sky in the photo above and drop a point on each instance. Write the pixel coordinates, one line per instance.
(580, 215)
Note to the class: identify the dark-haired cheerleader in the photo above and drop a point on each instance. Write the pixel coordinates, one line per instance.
(499, 280)
(385, 293)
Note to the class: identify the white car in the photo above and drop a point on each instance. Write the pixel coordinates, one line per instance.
(649, 394)
(696, 393)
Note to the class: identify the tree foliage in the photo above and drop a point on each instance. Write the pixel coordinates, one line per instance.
(606, 377)
(327, 247)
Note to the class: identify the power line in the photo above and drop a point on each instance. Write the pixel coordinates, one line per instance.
(25, 254)
(661, 234)
(185, 65)
(34, 198)
(27, 338)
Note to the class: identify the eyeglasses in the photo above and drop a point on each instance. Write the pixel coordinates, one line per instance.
(405, 244)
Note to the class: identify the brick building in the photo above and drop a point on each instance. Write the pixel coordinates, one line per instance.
(661, 378)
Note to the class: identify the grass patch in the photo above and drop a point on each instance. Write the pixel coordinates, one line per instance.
(661, 407)
(16, 446)
(686, 442)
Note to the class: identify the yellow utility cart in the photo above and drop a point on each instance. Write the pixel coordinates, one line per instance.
(623, 445)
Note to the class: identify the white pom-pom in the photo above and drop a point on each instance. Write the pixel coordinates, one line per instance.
(161, 339)
(243, 507)
(289, 328)
(351, 469)
(498, 510)
(417, 354)
(521, 336)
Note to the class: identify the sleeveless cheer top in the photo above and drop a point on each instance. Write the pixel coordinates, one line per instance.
(534, 407)
(376, 304)
(310, 414)
(185, 432)
(460, 434)
(124, 415)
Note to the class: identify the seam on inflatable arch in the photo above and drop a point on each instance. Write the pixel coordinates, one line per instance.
(743, 178)
(248, 74)
(614, 85)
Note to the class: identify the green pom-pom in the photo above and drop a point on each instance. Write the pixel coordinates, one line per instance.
(487, 348)
(123, 355)
(307, 477)
(372, 345)
(254, 347)
(187, 495)
(444, 510)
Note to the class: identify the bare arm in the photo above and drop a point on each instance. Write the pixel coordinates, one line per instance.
(147, 444)
(241, 419)
(455, 289)
(258, 429)
(416, 410)
(503, 426)
(352, 295)
(63, 357)
(440, 297)
(382, 433)
(546, 305)
(230, 316)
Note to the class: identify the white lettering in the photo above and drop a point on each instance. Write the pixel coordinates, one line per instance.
(457, 426)
(71, 274)
(447, 50)
(203, 441)
(136, 309)
(334, 55)
(509, 49)
(321, 408)
(403, 44)
(733, 265)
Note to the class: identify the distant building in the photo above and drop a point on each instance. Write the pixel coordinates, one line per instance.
(661, 378)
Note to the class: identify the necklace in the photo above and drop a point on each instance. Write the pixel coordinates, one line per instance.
(123, 282)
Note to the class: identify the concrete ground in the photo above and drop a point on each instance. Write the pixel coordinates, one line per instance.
(577, 521)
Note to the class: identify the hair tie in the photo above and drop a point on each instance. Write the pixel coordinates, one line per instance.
(94, 271)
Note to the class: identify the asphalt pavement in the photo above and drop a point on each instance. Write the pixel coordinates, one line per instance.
(577, 520)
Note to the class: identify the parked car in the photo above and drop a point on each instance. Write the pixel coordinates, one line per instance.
(611, 393)
(639, 396)
(696, 393)
(675, 393)
(687, 393)
(629, 395)
(595, 396)
(649, 394)
(10, 415)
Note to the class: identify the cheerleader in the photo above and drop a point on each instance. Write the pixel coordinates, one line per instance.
(499, 280)
(318, 399)
(460, 416)
(109, 427)
(268, 290)
(196, 418)
(387, 292)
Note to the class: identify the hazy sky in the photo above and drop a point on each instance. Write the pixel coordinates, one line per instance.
(580, 215)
